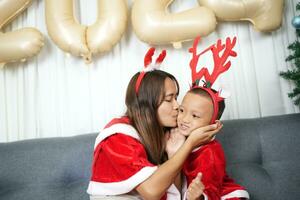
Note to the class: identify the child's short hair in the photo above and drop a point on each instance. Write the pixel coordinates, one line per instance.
(201, 92)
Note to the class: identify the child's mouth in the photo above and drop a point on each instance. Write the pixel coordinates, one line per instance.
(183, 127)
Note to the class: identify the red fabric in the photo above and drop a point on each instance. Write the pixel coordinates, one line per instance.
(121, 120)
(117, 152)
(210, 161)
(229, 186)
(118, 157)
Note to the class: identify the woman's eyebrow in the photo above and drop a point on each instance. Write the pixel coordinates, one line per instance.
(171, 94)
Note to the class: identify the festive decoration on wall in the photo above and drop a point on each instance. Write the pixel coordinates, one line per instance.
(20, 44)
(153, 24)
(82, 40)
(266, 15)
(296, 22)
(11, 9)
(294, 74)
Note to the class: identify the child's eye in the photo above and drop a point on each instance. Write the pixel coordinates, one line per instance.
(168, 100)
(196, 116)
(181, 110)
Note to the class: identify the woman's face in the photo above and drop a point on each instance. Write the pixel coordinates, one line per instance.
(168, 110)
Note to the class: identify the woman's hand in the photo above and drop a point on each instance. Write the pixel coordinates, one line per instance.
(195, 189)
(174, 140)
(204, 134)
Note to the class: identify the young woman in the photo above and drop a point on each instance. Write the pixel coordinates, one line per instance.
(129, 155)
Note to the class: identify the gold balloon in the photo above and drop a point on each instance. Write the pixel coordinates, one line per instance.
(265, 15)
(153, 24)
(9, 9)
(80, 40)
(21, 44)
(110, 25)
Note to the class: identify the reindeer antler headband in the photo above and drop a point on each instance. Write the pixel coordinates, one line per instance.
(148, 66)
(220, 66)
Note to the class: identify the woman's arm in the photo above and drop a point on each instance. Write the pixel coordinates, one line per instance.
(157, 184)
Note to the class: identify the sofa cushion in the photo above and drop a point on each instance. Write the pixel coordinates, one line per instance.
(263, 155)
(52, 168)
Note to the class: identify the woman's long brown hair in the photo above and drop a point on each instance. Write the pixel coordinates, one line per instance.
(142, 111)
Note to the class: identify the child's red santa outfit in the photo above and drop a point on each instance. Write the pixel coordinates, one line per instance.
(120, 162)
(209, 159)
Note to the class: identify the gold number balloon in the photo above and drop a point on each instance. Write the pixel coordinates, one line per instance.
(20, 44)
(80, 40)
(153, 24)
(266, 15)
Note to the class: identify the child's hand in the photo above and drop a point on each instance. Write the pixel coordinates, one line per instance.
(204, 134)
(174, 140)
(195, 189)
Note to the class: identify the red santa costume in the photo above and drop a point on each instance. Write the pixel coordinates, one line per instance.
(209, 159)
(120, 162)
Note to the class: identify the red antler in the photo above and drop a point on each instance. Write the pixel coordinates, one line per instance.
(220, 64)
(161, 57)
(194, 61)
(148, 56)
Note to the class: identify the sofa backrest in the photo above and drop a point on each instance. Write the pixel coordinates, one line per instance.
(263, 155)
(46, 169)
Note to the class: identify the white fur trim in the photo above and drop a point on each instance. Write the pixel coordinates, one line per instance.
(184, 196)
(151, 67)
(116, 128)
(196, 149)
(236, 193)
(122, 187)
(224, 93)
(173, 193)
(205, 196)
(184, 186)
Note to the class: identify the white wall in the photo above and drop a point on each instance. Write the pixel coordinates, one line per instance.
(54, 94)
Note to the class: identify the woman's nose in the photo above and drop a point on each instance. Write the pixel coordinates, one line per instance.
(175, 105)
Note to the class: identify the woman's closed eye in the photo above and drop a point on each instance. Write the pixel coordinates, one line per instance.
(168, 100)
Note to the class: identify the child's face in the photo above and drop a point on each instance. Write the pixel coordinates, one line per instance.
(195, 111)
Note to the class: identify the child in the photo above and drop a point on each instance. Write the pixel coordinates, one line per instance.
(202, 106)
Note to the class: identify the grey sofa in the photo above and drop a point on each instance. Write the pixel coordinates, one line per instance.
(263, 154)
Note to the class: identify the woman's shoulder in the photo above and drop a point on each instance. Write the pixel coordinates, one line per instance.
(118, 129)
(118, 120)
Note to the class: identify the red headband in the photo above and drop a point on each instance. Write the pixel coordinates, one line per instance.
(220, 66)
(148, 67)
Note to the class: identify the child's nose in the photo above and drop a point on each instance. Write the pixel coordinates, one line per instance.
(186, 118)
